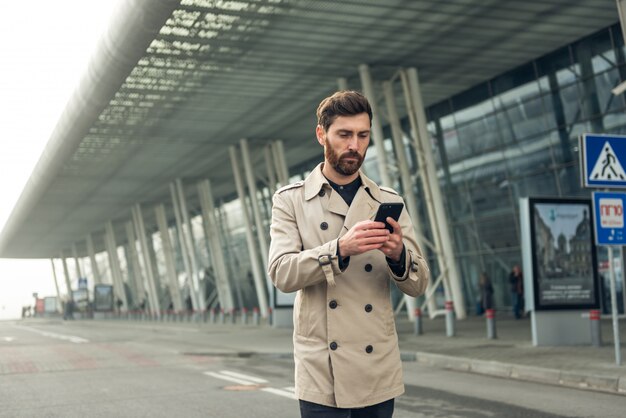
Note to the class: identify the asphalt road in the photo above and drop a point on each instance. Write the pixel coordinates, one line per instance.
(97, 369)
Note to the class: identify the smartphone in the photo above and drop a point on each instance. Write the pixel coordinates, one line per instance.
(392, 210)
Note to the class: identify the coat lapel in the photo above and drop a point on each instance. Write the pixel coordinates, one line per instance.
(336, 204)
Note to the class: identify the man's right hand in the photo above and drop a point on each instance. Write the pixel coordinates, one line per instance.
(362, 237)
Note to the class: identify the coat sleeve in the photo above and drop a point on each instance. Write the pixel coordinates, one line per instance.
(416, 272)
(290, 267)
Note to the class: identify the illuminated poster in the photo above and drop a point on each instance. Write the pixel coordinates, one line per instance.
(103, 298)
(50, 304)
(564, 254)
(81, 299)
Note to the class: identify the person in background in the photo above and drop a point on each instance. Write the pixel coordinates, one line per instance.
(486, 292)
(516, 281)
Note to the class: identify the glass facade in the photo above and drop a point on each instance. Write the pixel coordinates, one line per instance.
(516, 136)
(510, 137)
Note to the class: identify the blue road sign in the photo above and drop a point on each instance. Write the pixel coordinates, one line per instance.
(603, 158)
(608, 215)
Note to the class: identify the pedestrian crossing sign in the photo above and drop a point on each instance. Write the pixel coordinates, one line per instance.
(603, 158)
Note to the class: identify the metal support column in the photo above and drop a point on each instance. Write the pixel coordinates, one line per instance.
(79, 270)
(281, 163)
(114, 262)
(229, 247)
(260, 228)
(342, 83)
(137, 278)
(68, 282)
(432, 191)
(621, 10)
(270, 165)
(56, 285)
(257, 273)
(188, 244)
(183, 245)
(405, 177)
(92, 260)
(222, 283)
(377, 129)
(191, 246)
(140, 230)
(168, 256)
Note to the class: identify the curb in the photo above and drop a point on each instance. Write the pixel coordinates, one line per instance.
(577, 380)
(571, 379)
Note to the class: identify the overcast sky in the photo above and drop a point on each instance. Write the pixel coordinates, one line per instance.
(45, 49)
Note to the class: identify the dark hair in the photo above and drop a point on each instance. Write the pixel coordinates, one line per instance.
(342, 103)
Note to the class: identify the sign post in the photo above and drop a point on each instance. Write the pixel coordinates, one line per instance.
(608, 211)
(601, 167)
(618, 355)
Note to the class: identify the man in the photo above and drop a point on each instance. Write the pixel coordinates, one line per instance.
(325, 246)
(516, 280)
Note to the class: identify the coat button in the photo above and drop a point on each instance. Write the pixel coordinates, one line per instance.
(332, 304)
(368, 267)
(368, 308)
(321, 193)
(324, 226)
(333, 346)
(369, 349)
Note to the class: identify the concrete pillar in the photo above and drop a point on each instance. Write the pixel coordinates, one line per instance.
(137, 278)
(187, 245)
(183, 246)
(168, 255)
(95, 271)
(222, 282)
(191, 247)
(281, 163)
(251, 181)
(140, 230)
(79, 270)
(68, 282)
(114, 262)
(226, 238)
(342, 83)
(270, 165)
(377, 130)
(405, 177)
(56, 285)
(434, 202)
(257, 272)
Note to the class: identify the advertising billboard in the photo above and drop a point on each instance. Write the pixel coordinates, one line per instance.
(103, 298)
(81, 299)
(50, 304)
(563, 254)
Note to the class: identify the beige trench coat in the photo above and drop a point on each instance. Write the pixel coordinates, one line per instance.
(345, 342)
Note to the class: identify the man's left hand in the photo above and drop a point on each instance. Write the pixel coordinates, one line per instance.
(392, 248)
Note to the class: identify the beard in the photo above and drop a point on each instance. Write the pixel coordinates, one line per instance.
(340, 162)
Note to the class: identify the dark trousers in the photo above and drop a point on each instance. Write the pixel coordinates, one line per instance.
(518, 304)
(313, 410)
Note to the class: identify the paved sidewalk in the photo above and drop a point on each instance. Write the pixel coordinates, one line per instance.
(510, 356)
